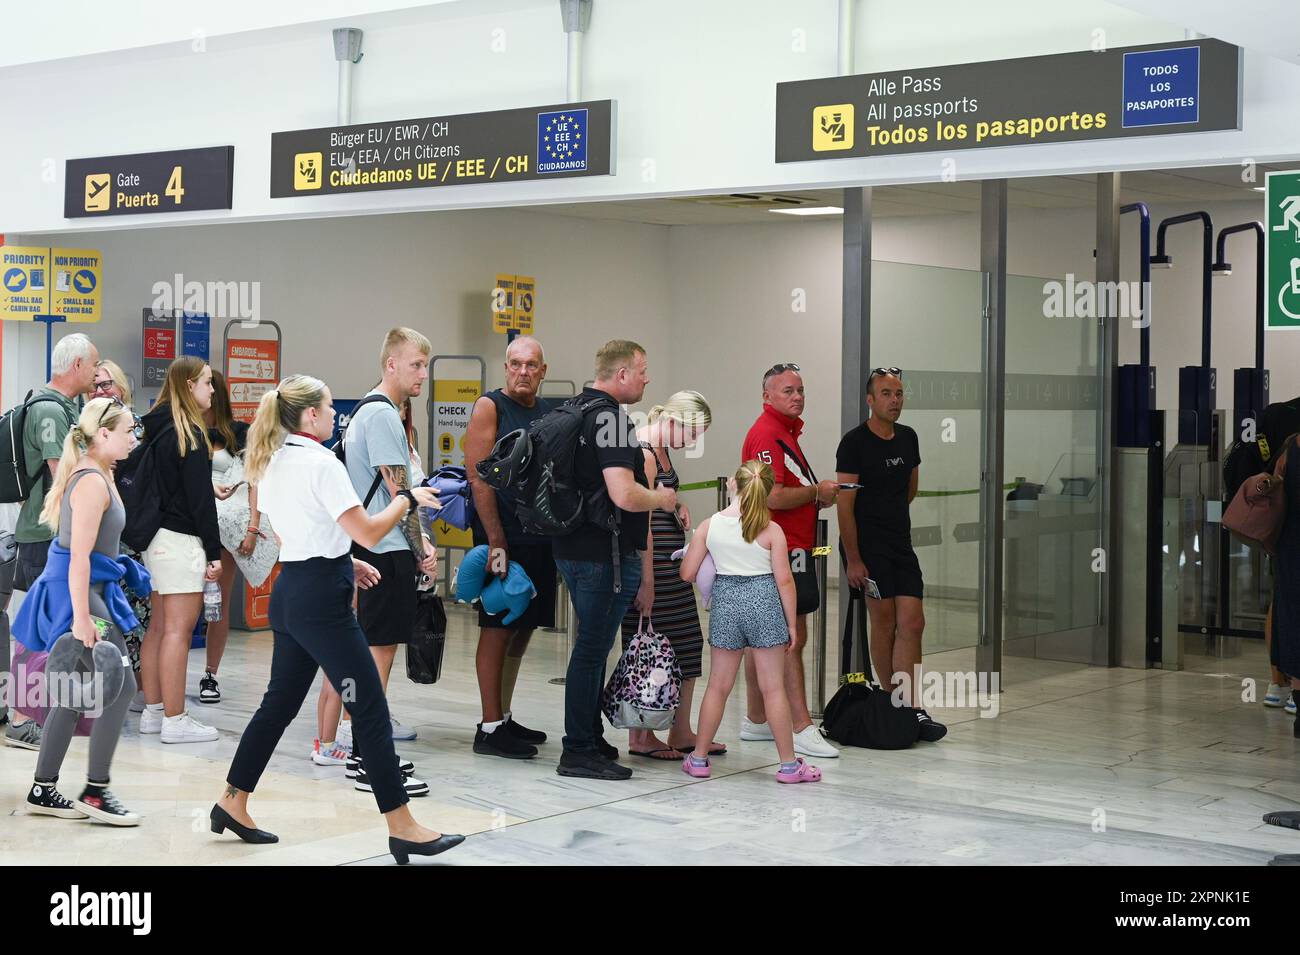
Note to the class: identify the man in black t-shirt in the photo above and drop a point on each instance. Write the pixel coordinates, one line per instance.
(884, 457)
(602, 586)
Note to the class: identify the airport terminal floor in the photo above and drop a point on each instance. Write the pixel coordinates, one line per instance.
(1082, 766)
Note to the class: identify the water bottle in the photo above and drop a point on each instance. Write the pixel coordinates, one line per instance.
(211, 601)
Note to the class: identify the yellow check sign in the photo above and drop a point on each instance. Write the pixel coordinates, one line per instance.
(307, 171)
(832, 127)
(99, 190)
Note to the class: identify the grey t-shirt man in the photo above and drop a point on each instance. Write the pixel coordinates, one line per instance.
(375, 438)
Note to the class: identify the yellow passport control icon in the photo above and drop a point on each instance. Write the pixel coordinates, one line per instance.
(832, 127)
(307, 171)
(99, 190)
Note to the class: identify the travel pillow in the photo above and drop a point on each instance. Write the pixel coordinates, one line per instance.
(84, 678)
(474, 581)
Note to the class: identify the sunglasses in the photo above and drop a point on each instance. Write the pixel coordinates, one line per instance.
(138, 426)
(896, 372)
(780, 368)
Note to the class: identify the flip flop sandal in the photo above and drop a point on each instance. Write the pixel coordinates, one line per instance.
(721, 750)
(654, 754)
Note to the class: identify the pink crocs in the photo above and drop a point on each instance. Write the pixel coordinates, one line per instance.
(690, 769)
(803, 773)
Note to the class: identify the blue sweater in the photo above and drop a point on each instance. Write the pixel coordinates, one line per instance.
(46, 613)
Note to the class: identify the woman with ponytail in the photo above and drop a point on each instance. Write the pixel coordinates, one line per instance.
(185, 552)
(80, 591)
(664, 597)
(306, 491)
(753, 610)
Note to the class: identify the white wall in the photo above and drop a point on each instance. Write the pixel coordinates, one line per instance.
(695, 85)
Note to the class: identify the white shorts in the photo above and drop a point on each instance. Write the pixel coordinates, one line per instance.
(176, 563)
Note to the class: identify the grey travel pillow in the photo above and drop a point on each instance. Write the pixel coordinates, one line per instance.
(84, 678)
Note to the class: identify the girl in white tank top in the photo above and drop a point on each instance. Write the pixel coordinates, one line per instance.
(753, 609)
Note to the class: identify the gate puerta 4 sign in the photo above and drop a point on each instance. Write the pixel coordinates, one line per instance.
(1187, 87)
(181, 180)
(544, 142)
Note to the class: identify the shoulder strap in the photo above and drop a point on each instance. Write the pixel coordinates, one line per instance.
(367, 400)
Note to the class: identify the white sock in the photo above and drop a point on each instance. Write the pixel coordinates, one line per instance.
(154, 707)
(491, 727)
(174, 719)
(506, 718)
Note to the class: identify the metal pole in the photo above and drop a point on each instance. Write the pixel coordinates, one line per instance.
(576, 15)
(819, 645)
(347, 50)
(993, 263)
(1106, 652)
(845, 59)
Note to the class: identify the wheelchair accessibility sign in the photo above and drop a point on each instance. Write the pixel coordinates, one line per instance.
(1282, 237)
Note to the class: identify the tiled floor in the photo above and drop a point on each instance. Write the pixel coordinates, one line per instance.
(1080, 765)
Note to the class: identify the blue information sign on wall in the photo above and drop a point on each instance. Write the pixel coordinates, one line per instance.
(195, 335)
(1162, 87)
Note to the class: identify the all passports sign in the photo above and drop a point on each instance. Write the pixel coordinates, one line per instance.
(1193, 86)
(510, 145)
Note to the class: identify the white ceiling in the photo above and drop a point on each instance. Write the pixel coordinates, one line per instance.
(1206, 184)
(1270, 26)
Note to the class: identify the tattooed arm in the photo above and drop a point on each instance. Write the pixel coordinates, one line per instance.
(397, 479)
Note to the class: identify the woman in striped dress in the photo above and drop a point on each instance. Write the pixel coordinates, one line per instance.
(667, 599)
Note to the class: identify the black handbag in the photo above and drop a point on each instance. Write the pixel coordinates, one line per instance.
(862, 713)
(428, 639)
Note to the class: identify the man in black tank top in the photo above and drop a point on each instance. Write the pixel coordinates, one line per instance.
(501, 648)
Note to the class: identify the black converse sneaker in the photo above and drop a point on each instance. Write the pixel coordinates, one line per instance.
(44, 799)
(413, 786)
(353, 767)
(502, 742)
(209, 692)
(931, 731)
(98, 803)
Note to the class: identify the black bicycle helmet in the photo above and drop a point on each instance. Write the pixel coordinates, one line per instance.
(504, 467)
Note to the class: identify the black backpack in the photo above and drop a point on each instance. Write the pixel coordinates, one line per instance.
(340, 450)
(550, 502)
(16, 478)
(141, 492)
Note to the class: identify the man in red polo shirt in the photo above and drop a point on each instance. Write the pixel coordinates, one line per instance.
(795, 499)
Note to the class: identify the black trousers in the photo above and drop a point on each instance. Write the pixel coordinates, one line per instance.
(311, 617)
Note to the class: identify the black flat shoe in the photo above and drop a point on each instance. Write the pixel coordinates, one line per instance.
(222, 820)
(402, 850)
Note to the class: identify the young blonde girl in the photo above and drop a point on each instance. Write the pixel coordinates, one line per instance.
(752, 610)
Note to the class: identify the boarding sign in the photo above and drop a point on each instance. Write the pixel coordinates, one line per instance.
(252, 369)
(1185, 87)
(1282, 258)
(44, 281)
(543, 142)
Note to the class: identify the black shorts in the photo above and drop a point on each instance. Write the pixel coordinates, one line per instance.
(30, 564)
(895, 570)
(539, 564)
(803, 568)
(386, 611)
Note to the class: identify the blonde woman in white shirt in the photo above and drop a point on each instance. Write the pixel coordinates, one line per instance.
(306, 491)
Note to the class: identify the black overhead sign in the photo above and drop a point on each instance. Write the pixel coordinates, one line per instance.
(544, 142)
(1188, 87)
(183, 180)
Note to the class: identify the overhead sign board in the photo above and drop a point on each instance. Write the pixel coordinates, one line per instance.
(1185, 87)
(180, 180)
(545, 142)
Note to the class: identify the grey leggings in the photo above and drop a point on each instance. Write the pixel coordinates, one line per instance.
(61, 723)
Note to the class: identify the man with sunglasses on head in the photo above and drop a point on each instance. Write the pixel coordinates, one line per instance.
(796, 497)
(884, 458)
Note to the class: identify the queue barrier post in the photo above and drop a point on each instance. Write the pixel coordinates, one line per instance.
(821, 556)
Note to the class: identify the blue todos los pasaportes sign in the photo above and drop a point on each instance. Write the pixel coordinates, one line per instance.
(1162, 87)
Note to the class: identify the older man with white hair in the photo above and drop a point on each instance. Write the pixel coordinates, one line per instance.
(51, 413)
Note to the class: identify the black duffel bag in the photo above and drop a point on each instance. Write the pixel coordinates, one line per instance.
(428, 639)
(861, 713)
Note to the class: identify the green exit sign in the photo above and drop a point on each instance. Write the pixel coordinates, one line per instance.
(1282, 237)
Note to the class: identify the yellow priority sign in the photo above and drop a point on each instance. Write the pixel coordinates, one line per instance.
(39, 280)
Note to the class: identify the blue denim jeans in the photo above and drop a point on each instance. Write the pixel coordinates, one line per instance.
(599, 613)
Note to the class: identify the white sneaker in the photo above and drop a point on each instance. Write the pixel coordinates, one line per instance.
(755, 731)
(334, 755)
(1277, 695)
(401, 732)
(343, 735)
(810, 742)
(186, 729)
(151, 721)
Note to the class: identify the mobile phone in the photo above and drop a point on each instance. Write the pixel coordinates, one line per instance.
(848, 487)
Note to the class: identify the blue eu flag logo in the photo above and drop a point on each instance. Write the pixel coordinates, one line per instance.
(562, 141)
